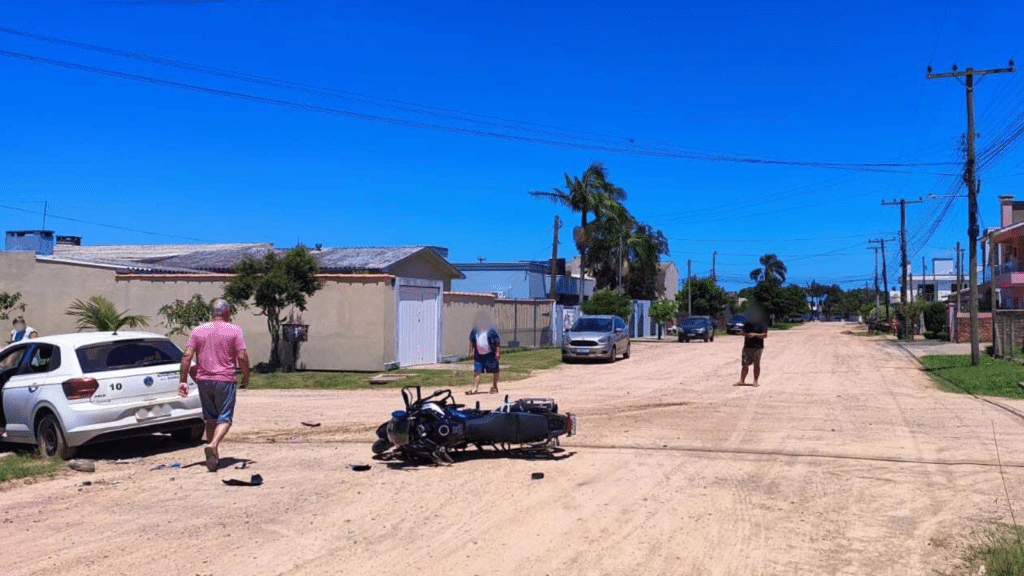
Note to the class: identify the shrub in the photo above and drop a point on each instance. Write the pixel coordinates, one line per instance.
(608, 301)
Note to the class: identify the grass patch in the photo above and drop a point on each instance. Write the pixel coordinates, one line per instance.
(784, 325)
(997, 549)
(24, 465)
(992, 377)
(516, 364)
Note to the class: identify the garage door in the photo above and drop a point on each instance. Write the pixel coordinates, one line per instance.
(417, 325)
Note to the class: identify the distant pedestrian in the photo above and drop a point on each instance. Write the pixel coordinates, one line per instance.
(219, 347)
(21, 331)
(754, 333)
(485, 347)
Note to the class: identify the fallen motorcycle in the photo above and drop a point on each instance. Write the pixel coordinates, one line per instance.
(434, 426)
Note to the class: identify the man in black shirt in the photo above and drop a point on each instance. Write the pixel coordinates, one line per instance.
(754, 333)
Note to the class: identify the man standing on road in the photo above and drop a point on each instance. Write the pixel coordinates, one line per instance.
(485, 347)
(754, 333)
(218, 347)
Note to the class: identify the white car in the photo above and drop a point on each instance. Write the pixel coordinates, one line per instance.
(60, 392)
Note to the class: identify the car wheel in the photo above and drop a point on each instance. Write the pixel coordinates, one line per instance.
(681, 339)
(626, 353)
(50, 439)
(613, 355)
(712, 336)
(189, 435)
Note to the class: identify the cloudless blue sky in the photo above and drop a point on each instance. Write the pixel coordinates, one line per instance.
(817, 81)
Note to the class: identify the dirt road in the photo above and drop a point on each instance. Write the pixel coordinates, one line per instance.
(845, 461)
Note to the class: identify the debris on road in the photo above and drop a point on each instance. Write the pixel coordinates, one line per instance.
(537, 476)
(174, 466)
(360, 467)
(128, 460)
(82, 465)
(311, 424)
(255, 480)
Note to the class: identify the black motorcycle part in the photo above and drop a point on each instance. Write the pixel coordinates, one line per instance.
(507, 428)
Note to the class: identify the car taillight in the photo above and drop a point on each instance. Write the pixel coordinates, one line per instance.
(78, 388)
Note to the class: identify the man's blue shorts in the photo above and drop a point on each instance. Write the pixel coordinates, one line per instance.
(218, 399)
(485, 363)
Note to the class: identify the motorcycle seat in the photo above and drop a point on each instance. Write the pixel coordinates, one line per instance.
(507, 428)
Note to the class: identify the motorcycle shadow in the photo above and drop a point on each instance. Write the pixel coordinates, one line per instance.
(396, 461)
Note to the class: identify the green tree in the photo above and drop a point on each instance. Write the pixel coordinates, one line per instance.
(607, 301)
(589, 194)
(936, 317)
(181, 316)
(661, 312)
(10, 302)
(778, 302)
(794, 300)
(707, 297)
(772, 269)
(833, 297)
(274, 283)
(101, 315)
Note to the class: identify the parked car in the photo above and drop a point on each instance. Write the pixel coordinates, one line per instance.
(697, 328)
(602, 337)
(63, 391)
(735, 324)
(795, 318)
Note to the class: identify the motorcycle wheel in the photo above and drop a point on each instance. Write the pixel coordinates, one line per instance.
(381, 446)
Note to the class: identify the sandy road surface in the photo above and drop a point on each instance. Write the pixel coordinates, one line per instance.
(845, 461)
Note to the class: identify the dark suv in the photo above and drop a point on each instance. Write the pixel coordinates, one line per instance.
(735, 324)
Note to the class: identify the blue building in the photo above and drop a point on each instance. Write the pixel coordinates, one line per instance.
(526, 280)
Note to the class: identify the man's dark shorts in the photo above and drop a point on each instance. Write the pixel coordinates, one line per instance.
(486, 363)
(218, 399)
(752, 356)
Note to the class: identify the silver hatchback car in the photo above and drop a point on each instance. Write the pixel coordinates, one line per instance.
(62, 391)
(602, 337)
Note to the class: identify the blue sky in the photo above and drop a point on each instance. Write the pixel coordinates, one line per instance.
(811, 81)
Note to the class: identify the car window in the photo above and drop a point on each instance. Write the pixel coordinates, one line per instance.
(127, 354)
(693, 321)
(11, 358)
(592, 325)
(620, 324)
(42, 358)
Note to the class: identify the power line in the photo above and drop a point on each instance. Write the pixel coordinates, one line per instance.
(888, 167)
(112, 226)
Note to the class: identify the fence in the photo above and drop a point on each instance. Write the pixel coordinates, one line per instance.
(1009, 332)
(525, 323)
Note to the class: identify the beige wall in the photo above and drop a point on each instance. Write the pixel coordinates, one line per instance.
(352, 319)
(459, 311)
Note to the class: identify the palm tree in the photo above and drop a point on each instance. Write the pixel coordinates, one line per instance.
(772, 269)
(589, 194)
(100, 314)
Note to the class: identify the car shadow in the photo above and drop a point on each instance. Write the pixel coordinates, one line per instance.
(136, 447)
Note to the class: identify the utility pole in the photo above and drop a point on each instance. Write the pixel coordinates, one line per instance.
(959, 275)
(970, 179)
(554, 259)
(714, 258)
(885, 273)
(689, 289)
(902, 202)
(875, 248)
(924, 278)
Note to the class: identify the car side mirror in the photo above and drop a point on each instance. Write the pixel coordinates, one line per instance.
(618, 330)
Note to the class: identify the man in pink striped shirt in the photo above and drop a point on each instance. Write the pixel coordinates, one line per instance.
(218, 347)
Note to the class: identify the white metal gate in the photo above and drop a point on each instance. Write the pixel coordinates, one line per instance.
(418, 324)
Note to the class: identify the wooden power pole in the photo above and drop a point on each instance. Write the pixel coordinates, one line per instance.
(970, 179)
(902, 203)
(877, 294)
(885, 274)
(554, 260)
(689, 290)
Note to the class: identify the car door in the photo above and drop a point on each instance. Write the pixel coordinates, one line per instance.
(40, 367)
(11, 361)
(620, 330)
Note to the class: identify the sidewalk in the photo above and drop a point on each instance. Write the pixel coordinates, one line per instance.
(935, 347)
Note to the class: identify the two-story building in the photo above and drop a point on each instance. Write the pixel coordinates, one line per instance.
(1008, 242)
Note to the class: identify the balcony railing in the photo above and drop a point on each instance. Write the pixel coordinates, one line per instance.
(1009, 266)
